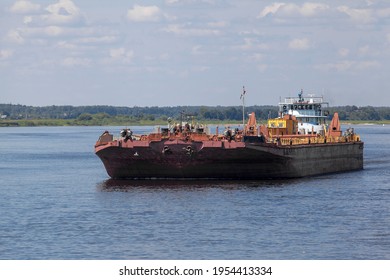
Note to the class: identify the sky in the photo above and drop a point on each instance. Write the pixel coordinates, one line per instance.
(193, 52)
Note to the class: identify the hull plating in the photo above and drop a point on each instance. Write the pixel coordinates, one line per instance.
(225, 160)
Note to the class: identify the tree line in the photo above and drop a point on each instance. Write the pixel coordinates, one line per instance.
(217, 113)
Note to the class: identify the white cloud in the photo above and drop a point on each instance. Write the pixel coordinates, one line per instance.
(361, 15)
(75, 61)
(261, 67)
(200, 68)
(349, 65)
(251, 44)
(218, 24)
(271, 9)
(22, 35)
(41, 35)
(308, 9)
(27, 19)
(97, 40)
(66, 45)
(53, 30)
(63, 12)
(383, 13)
(117, 53)
(121, 54)
(14, 36)
(299, 44)
(369, 64)
(338, 66)
(364, 50)
(173, 2)
(370, 51)
(5, 54)
(197, 50)
(257, 57)
(312, 9)
(24, 7)
(184, 31)
(343, 52)
(366, 15)
(144, 13)
(357, 15)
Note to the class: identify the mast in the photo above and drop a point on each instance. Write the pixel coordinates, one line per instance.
(243, 105)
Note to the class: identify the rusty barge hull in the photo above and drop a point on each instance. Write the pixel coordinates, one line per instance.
(226, 160)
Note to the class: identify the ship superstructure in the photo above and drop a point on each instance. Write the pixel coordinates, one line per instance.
(311, 112)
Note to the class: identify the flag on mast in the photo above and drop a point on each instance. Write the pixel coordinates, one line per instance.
(243, 105)
(243, 92)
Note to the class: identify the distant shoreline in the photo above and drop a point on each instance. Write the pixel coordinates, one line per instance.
(75, 122)
(20, 115)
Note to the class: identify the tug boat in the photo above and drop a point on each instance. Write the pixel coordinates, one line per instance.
(296, 144)
(311, 112)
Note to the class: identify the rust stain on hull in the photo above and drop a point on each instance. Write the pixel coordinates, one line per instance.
(249, 162)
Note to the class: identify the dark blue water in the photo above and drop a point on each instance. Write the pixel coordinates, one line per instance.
(56, 202)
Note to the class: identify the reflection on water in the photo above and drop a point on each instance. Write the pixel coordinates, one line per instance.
(122, 185)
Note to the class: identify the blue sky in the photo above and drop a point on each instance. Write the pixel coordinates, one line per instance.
(193, 52)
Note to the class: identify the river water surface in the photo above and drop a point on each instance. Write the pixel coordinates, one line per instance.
(57, 202)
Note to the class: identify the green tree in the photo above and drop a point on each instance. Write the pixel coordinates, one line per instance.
(85, 117)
